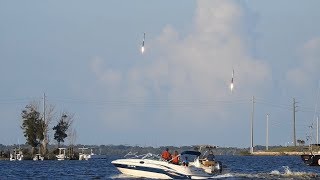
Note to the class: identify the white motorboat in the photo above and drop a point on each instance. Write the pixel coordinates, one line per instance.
(152, 166)
(62, 154)
(207, 160)
(83, 155)
(16, 155)
(94, 156)
(38, 157)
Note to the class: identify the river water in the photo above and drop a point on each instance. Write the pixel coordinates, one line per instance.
(235, 168)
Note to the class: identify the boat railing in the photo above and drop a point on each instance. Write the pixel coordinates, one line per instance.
(131, 155)
(151, 156)
(142, 156)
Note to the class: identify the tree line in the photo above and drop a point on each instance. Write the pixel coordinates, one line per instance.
(36, 127)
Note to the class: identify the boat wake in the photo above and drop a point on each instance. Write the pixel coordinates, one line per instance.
(293, 174)
(222, 176)
(122, 176)
(286, 173)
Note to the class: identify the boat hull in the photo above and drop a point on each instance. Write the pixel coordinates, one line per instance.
(158, 169)
(142, 173)
(311, 159)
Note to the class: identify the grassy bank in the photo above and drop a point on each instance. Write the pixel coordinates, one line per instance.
(281, 151)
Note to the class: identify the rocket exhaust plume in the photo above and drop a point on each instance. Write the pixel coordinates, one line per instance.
(142, 47)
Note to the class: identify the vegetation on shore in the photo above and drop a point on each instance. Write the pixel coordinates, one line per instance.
(121, 150)
(36, 127)
(112, 150)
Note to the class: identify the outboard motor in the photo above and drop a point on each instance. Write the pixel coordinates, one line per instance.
(217, 167)
(197, 162)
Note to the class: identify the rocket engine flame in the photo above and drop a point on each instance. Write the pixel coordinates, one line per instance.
(142, 46)
(231, 87)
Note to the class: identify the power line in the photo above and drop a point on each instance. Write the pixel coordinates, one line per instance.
(157, 103)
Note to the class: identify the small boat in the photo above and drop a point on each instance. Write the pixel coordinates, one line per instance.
(312, 158)
(94, 156)
(16, 155)
(83, 155)
(38, 157)
(207, 160)
(62, 154)
(153, 166)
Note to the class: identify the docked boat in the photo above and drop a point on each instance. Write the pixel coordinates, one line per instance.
(16, 155)
(313, 157)
(83, 155)
(62, 154)
(153, 166)
(38, 157)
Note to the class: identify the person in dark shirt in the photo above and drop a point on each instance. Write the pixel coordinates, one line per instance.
(185, 161)
(210, 156)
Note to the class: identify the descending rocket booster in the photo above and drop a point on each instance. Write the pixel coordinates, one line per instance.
(231, 85)
(142, 47)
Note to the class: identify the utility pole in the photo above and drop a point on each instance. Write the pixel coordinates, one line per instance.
(252, 115)
(44, 145)
(318, 130)
(267, 134)
(44, 107)
(294, 122)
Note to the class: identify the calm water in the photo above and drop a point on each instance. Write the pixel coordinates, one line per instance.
(237, 167)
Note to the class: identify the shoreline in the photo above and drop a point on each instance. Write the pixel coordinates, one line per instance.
(266, 153)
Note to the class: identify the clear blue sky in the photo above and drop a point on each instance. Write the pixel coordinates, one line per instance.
(86, 57)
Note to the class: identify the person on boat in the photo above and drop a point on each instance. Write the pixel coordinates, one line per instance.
(175, 158)
(185, 161)
(210, 156)
(166, 155)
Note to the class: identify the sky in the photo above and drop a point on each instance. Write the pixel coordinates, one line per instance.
(85, 56)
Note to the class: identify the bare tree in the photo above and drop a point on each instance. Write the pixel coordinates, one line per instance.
(72, 134)
(48, 116)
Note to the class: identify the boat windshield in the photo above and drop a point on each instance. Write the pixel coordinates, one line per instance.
(142, 156)
(191, 155)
